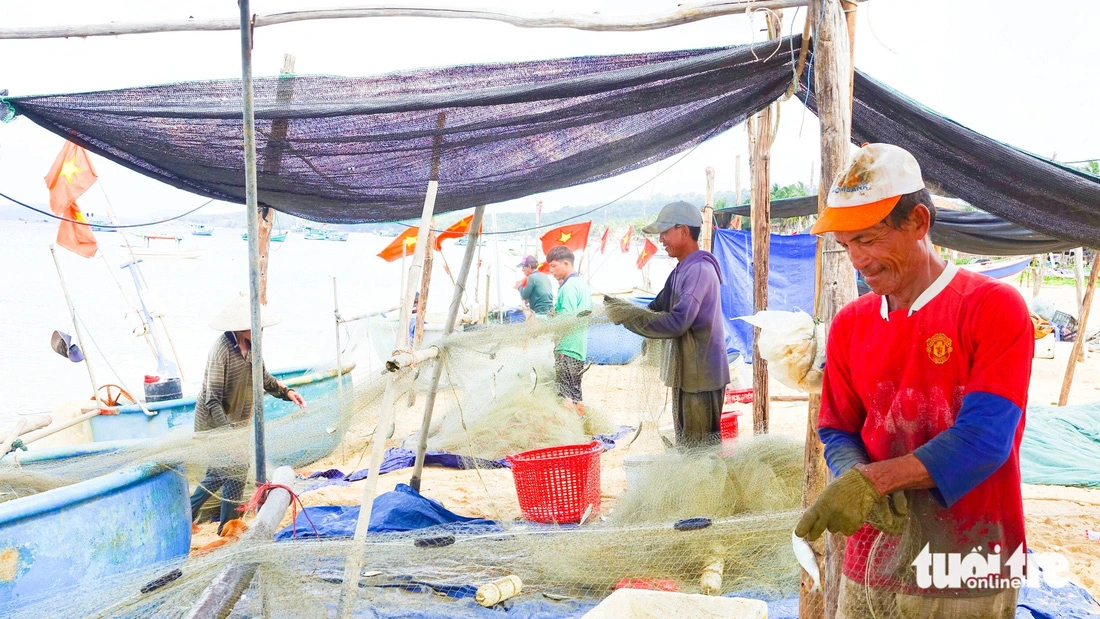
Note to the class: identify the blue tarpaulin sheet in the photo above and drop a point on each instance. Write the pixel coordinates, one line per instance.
(790, 280)
(1061, 446)
(404, 509)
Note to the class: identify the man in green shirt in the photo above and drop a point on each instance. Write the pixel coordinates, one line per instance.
(535, 287)
(574, 298)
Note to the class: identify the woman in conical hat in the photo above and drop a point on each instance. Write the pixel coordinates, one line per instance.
(226, 397)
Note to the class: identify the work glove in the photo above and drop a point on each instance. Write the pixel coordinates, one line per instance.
(890, 513)
(618, 310)
(842, 507)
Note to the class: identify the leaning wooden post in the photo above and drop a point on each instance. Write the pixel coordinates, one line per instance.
(472, 238)
(706, 235)
(273, 159)
(422, 302)
(1082, 322)
(760, 139)
(836, 284)
(422, 235)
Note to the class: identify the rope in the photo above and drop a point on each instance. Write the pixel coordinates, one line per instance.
(107, 226)
(260, 496)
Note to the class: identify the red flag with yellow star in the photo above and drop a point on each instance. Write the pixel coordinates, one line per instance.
(69, 177)
(457, 230)
(573, 236)
(625, 243)
(403, 245)
(647, 253)
(76, 237)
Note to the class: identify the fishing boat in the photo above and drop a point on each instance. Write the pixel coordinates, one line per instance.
(999, 269)
(130, 422)
(324, 234)
(202, 230)
(336, 235)
(275, 238)
(150, 251)
(84, 534)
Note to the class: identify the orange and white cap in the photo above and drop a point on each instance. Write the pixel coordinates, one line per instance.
(865, 193)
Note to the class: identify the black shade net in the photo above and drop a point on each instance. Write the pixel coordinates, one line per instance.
(1030, 191)
(361, 150)
(973, 232)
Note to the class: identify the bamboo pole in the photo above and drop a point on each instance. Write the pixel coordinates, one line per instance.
(252, 213)
(448, 328)
(422, 234)
(1079, 284)
(706, 236)
(1082, 322)
(683, 14)
(835, 287)
(273, 159)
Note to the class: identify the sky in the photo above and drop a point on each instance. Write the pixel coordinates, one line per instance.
(1024, 75)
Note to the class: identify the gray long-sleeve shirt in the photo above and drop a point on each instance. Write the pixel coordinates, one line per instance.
(688, 314)
(226, 394)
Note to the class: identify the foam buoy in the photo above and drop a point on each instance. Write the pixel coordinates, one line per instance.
(498, 590)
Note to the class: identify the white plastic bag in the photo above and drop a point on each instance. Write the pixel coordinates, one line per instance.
(794, 347)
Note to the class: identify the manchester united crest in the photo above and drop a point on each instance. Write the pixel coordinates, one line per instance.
(938, 348)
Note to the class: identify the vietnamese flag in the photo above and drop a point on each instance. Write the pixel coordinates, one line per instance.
(625, 243)
(603, 239)
(403, 245)
(573, 236)
(69, 177)
(76, 237)
(457, 230)
(647, 253)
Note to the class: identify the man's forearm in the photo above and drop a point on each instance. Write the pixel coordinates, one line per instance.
(903, 473)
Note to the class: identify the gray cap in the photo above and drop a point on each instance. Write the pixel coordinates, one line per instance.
(678, 213)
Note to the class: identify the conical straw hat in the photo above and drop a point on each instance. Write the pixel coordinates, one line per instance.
(237, 316)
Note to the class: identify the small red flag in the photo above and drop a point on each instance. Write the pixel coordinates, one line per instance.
(647, 253)
(69, 177)
(625, 243)
(603, 239)
(403, 245)
(76, 237)
(544, 267)
(457, 230)
(573, 236)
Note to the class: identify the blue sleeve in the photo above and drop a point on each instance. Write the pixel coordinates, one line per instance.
(843, 450)
(967, 453)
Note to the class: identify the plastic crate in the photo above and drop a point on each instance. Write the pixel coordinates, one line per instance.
(727, 425)
(558, 484)
(738, 396)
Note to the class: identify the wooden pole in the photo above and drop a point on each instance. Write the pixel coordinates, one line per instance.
(706, 236)
(76, 327)
(1082, 322)
(448, 327)
(683, 14)
(273, 159)
(835, 275)
(1037, 283)
(1079, 283)
(422, 235)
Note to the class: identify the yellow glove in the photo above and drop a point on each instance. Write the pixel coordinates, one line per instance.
(843, 506)
(890, 513)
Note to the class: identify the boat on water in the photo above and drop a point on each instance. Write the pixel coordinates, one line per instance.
(131, 422)
(275, 238)
(999, 269)
(148, 250)
(324, 234)
(83, 534)
(202, 230)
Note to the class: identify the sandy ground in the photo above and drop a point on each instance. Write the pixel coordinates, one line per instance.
(1056, 516)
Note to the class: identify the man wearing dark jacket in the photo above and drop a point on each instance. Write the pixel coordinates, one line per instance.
(687, 313)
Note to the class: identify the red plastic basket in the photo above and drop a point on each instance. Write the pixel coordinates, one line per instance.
(738, 396)
(558, 484)
(727, 425)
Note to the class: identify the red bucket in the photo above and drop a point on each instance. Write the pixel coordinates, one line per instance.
(558, 484)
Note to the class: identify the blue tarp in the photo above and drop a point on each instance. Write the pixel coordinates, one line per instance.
(404, 509)
(1061, 446)
(790, 280)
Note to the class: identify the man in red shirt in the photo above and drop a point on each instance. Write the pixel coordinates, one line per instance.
(925, 386)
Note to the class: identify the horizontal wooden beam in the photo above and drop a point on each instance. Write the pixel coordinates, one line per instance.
(682, 14)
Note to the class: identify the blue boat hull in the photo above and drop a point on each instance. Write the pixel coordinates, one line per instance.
(81, 535)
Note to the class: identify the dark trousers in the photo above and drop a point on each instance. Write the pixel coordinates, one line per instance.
(231, 483)
(697, 417)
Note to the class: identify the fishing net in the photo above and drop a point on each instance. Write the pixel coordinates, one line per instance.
(718, 521)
